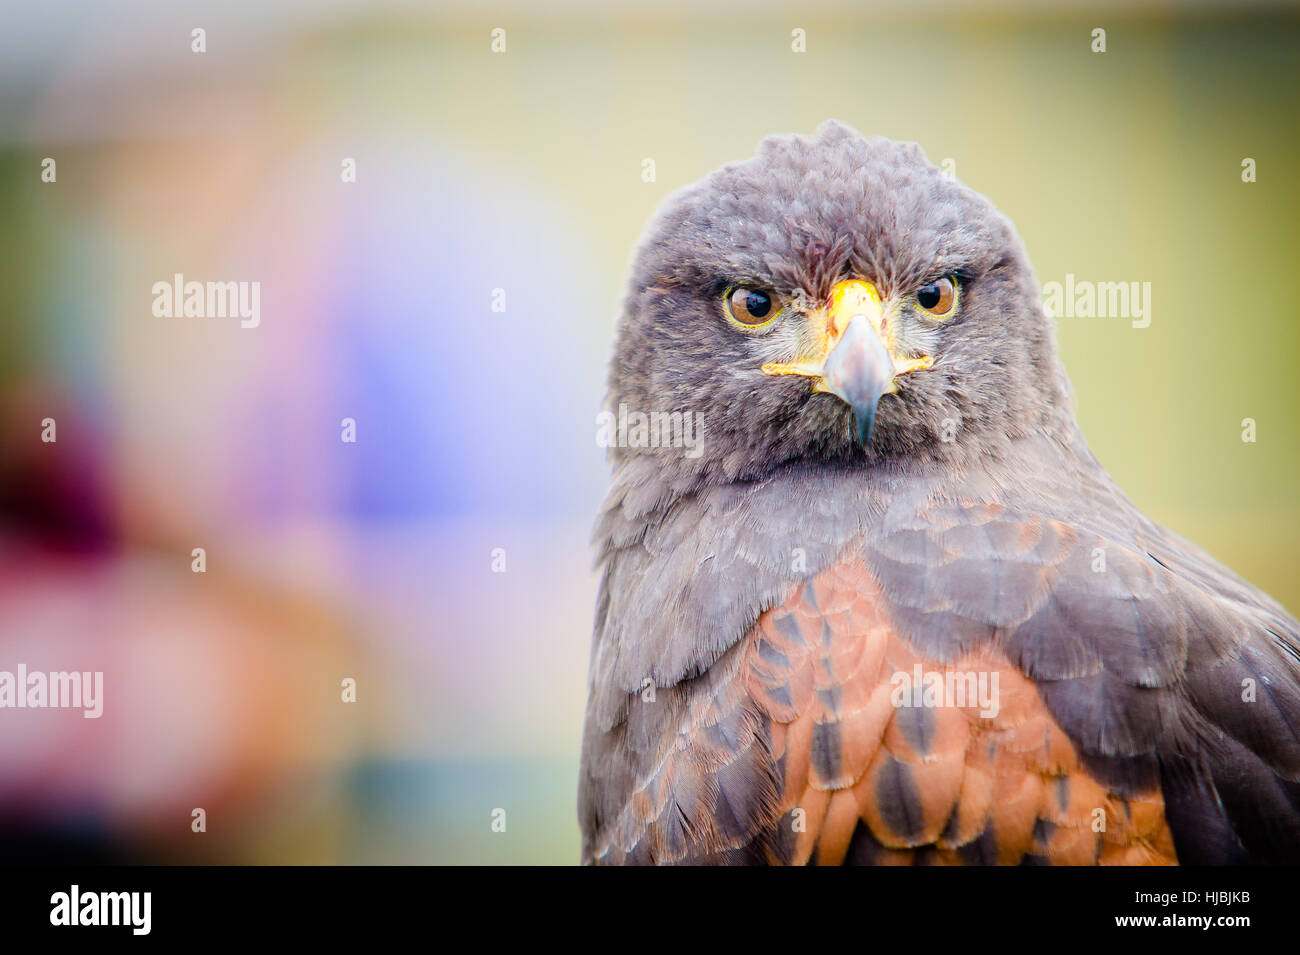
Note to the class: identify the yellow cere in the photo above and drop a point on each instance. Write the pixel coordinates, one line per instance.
(849, 299)
(852, 298)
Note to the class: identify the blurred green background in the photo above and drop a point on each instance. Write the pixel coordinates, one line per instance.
(522, 171)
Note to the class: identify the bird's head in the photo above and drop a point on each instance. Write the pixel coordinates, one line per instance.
(834, 298)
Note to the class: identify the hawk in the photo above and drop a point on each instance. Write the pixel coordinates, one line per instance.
(889, 609)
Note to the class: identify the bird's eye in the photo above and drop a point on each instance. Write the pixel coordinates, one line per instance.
(751, 307)
(938, 298)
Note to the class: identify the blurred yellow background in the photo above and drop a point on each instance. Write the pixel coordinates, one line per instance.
(520, 171)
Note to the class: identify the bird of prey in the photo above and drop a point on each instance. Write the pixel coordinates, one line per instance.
(889, 609)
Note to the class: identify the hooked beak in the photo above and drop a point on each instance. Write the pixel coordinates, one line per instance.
(855, 359)
(858, 371)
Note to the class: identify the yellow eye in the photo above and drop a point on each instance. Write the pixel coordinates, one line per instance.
(752, 307)
(938, 298)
